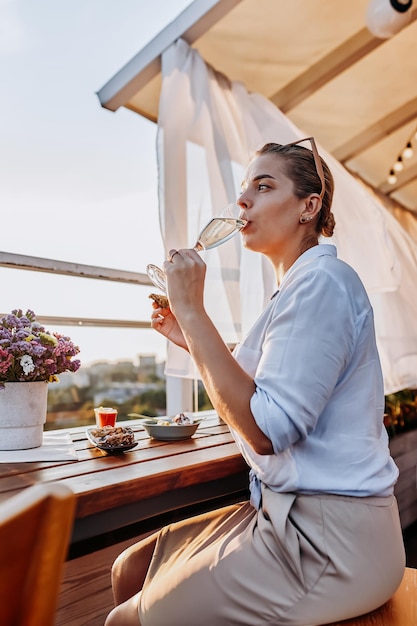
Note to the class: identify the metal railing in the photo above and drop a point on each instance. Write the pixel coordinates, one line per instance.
(182, 394)
(78, 270)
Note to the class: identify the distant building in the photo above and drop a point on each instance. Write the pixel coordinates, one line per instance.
(149, 367)
(81, 378)
(120, 392)
(104, 375)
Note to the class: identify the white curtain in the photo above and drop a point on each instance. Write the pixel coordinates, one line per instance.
(208, 128)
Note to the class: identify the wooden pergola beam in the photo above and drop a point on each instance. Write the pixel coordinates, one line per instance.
(328, 68)
(377, 131)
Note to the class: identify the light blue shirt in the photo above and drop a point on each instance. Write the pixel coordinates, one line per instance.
(319, 390)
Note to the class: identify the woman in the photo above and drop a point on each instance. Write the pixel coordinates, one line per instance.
(320, 540)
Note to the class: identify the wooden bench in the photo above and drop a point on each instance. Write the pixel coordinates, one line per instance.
(401, 610)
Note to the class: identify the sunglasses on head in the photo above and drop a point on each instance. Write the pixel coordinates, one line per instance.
(317, 161)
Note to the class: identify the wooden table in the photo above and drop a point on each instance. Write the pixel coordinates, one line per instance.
(136, 487)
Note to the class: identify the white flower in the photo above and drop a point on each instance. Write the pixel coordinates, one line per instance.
(27, 364)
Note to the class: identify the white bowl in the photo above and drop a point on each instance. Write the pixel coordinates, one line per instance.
(170, 433)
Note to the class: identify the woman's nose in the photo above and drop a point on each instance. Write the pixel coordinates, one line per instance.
(241, 201)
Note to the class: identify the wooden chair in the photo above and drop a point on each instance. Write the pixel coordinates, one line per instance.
(401, 610)
(35, 528)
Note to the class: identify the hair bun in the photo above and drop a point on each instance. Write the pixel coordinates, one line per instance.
(328, 225)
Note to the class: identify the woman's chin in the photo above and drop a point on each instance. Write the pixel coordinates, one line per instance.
(248, 241)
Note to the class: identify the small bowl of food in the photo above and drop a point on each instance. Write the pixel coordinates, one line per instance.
(181, 426)
(112, 439)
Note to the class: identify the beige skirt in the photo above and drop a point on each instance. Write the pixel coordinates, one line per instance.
(299, 561)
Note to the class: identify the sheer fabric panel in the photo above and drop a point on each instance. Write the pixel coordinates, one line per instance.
(208, 128)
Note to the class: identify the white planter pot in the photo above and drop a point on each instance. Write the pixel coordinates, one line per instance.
(23, 409)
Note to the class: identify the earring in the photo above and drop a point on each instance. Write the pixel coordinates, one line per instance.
(304, 219)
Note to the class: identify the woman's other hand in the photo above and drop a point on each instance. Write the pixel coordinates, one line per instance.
(165, 323)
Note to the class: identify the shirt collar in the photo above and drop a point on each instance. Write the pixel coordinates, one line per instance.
(322, 249)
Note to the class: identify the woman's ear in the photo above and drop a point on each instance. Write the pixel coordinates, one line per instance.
(312, 206)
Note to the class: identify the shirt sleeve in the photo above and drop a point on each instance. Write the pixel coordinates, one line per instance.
(307, 345)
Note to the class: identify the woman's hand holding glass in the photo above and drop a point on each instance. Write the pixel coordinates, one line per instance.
(184, 274)
(218, 230)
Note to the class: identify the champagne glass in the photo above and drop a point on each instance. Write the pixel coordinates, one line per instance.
(218, 230)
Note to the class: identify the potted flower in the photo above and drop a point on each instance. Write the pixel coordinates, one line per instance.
(30, 358)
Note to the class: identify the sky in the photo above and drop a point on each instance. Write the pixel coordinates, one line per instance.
(78, 182)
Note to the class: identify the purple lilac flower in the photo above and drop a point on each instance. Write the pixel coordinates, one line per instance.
(29, 352)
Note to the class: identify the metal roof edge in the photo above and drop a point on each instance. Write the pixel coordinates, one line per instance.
(193, 22)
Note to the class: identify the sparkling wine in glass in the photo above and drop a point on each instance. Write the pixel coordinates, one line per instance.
(218, 230)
